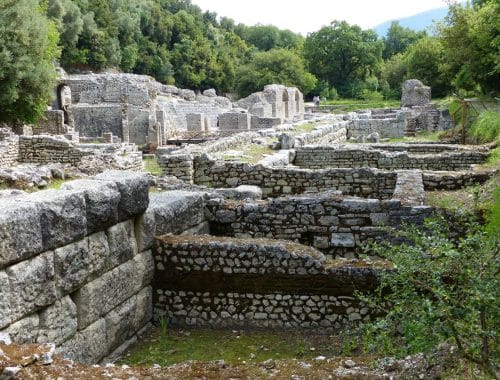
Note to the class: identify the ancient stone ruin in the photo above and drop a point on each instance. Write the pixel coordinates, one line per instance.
(223, 243)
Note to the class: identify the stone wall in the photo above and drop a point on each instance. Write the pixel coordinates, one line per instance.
(276, 181)
(44, 149)
(9, 147)
(227, 282)
(330, 222)
(76, 264)
(52, 123)
(71, 269)
(336, 132)
(343, 156)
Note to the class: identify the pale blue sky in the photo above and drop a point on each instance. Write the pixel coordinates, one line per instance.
(308, 16)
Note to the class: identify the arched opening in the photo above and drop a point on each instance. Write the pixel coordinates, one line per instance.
(64, 100)
(285, 103)
(297, 102)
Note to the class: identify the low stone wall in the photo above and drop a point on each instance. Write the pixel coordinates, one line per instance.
(51, 123)
(9, 147)
(320, 157)
(330, 222)
(275, 181)
(45, 149)
(336, 132)
(445, 180)
(225, 282)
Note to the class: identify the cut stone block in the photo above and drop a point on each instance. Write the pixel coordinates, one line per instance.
(58, 322)
(32, 285)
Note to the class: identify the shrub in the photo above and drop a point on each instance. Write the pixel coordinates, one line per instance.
(440, 290)
(486, 128)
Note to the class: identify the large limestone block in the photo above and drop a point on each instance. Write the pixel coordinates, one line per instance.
(102, 295)
(20, 231)
(4, 300)
(76, 262)
(176, 211)
(101, 202)
(134, 191)
(122, 243)
(25, 330)
(32, 285)
(62, 216)
(128, 318)
(57, 322)
(88, 346)
(415, 94)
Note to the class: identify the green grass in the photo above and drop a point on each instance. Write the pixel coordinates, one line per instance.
(305, 128)
(420, 136)
(252, 153)
(348, 105)
(174, 346)
(56, 184)
(151, 165)
(486, 128)
(479, 199)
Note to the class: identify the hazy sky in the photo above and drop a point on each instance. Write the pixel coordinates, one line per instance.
(310, 15)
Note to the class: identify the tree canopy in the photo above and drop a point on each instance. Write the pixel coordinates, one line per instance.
(342, 54)
(28, 50)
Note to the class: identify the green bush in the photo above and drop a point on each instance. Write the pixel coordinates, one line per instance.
(440, 290)
(486, 128)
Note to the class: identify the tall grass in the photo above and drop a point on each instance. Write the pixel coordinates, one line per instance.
(486, 128)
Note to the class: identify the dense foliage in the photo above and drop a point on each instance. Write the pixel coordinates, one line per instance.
(28, 47)
(441, 290)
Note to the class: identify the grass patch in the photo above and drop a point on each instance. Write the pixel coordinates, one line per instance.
(486, 128)
(251, 153)
(348, 105)
(420, 136)
(56, 184)
(479, 198)
(151, 165)
(305, 128)
(234, 347)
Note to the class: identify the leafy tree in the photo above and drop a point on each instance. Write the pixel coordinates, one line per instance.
(440, 290)
(28, 49)
(471, 40)
(399, 38)
(394, 72)
(425, 61)
(279, 66)
(343, 53)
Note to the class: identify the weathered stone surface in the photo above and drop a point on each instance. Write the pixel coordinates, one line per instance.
(5, 317)
(72, 265)
(133, 188)
(20, 231)
(24, 330)
(122, 244)
(343, 240)
(32, 285)
(129, 317)
(57, 322)
(100, 296)
(88, 346)
(62, 216)
(415, 94)
(145, 227)
(241, 192)
(176, 211)
(101, 202)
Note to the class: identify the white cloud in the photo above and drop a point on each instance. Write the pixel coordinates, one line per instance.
(309, 16)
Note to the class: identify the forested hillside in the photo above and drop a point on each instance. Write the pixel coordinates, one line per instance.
(177, 43)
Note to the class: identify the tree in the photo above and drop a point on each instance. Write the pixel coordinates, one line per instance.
(398, 39)
(28, 49)
(278, 66)
(471, 40)
(343, 53)
(425, 61)
(440, 290)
